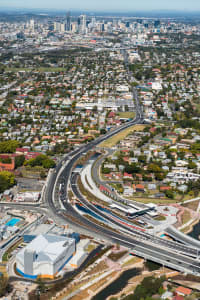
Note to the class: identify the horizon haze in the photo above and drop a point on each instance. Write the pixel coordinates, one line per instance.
(103, 5)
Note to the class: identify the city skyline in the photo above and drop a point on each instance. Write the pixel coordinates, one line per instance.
(126, 5)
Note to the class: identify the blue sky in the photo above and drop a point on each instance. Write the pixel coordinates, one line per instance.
(105, 5)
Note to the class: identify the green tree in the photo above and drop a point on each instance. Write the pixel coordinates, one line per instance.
(4, 286)
(19, 161)
(41, 286)
(103, 131)
(192, 165)
(6, 160)
(73, 104)
(133, 168)
(142, 158)
(105, 170)
(8, 146)
(42, 174)
(7, 180)
(48, 163)
(169, 194)
(41, 160)
(159, 176)
(154, 168)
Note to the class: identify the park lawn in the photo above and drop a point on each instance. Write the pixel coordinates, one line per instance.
(192, 205)
(90, 248)
(132, 261)
(160, 218)
(186, 229)
(102, 282)
(186, 216)
(102, 266)
(126, 114)
(116, 256)
(3, 270)
(8, 253)
(197, 105)
(120, 136)
(189, 197)
(153, 200)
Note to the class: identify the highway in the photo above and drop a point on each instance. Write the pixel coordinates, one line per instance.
(183, 238)
(171, 254)
(128, 227)
(147, 249)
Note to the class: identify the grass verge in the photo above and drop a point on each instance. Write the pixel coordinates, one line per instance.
(120, 136)
(186, 216)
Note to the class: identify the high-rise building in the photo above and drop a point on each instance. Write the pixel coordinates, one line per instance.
(74, 27)
(56, 26)
(32, 24)
(93, 22)
(101, 27)
(157, 23)
(63, 27)
(84, 24)
(68, 24)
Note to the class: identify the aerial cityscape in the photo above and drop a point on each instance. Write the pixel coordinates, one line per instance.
(99, 150)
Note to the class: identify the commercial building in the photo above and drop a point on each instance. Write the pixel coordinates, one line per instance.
(45, 256)
(80, 255)
(68, 24)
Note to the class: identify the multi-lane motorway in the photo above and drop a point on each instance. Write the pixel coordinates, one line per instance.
(130, 228)
(171, 254)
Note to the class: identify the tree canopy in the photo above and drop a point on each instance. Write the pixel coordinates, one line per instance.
(7, 180)
(4, 286)
(19, 161)
(8, 146)
(41, 160)
(148, 287)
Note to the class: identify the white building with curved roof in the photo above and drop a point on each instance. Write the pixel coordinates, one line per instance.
(45, 256)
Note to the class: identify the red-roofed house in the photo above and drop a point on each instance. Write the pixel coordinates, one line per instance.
(117, 175)
(139, 188)
(109, 176)
(22, 151)
(31, 155)
(128, 176)
(126, 159)
(104, 189)
(182, 291)
(177, 297)
(165, 188)
(7, 166)
(111, 114)
(153, 129)
(139, 176)
(125, 151)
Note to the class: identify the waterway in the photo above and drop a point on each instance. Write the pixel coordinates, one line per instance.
(117, 285)
(195, 233)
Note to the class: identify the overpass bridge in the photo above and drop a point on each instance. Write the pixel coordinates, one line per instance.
(182, 238)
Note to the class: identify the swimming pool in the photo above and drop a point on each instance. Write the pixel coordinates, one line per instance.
(12, 222)
(162, 235)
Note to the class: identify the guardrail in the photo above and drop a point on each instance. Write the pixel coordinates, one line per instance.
(163, 262)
